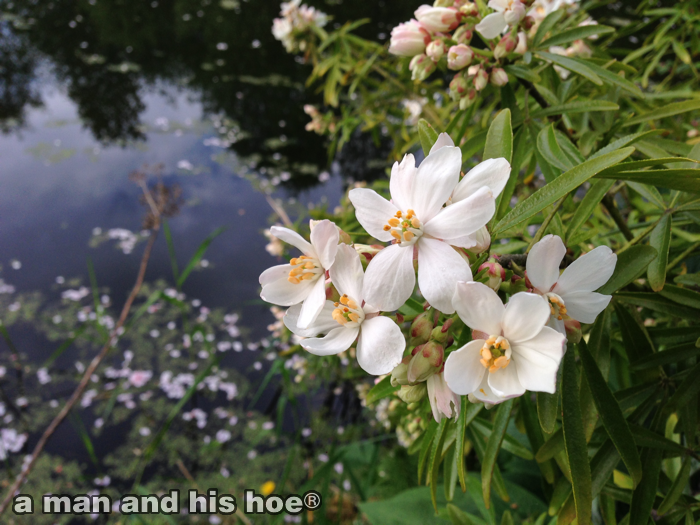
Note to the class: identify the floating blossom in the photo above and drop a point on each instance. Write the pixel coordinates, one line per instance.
(304, 279)
(381, 343)
(417, 222)
(75, 295)
(443, 401)
(11, 441)
(409, 39)
(570, 295)
(139, 378)
(508, 13)
(513, 333)
(296, 20)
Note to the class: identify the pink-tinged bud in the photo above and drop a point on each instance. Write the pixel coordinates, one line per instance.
(468, 100)
(459, 57)
(495, 272)
(399, 375)
(505, 46)
(420, 328)
(332, 294)
(463, 35)
(426, 362)
(528, 23)
(468, 8)
(573, 331)
(412, 393)
(366, 252)
(458, 87)
(498, 77)
(481, 79)
(409, 39)
(435, 50)
(521, 48)
(438, 19)
(421, 67)
(441, 334)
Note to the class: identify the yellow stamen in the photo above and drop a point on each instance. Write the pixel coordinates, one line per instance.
(354, 317)
(393, 222)
(293, 280)
(387, 227)
(307, 276)
(415, 222)
(352, 304)
(407, 236)
(396, 235)
(399, 214)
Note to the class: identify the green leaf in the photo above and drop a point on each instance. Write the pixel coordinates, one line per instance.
(473, 145)
(577, 33)
(645, 493)
(677, 488)
(551, 447)
(452, 460)
(675, 354)
(586, 207)
(627, 140)
(435, 459)
(509, 444)
(547, 25)
(534, 434)
(550, 150)
(670, 110)
(656, 302)
(682, 179)
(572, 65)
(576, 107)
(457, 516)
(681, 296)
(611, 415)
(575, 441)
(467, 413)
(427, 135)
(428, 436)
(547, 406)
(381, 390)
(557, 189)
(609, 77)
(198, 255)
(493, 446)
(650, 193)
(523, 72)
(686, 390)
(647, 438)
(636, 340)
(630, 265)
(499, 139)
(660, 240)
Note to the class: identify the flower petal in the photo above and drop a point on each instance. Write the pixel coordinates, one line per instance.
(525, 316)
(485, 394)
(464, 217)
(390, 278)
(381, 345)
(338, 340)
(543, 262)
(443, 140)
(323, 323)
(401, 182)
(505, 383)
(491, 25)
(538, 359)
(324, 239)
(584, 307)
(275, 273)
(499, 5)
(346, 273)
(284, 293)
(435, 180)
(479, 307)
(293, 238)
(440, 268)
(373, 211)
(463, 371)
(313, 303)
(492, 173)
(587, 273)
(443, 401)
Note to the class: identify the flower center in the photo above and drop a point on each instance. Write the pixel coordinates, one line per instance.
(556, 305)
(348, 313)
(305, 268)
(495, 354)
(406, 229)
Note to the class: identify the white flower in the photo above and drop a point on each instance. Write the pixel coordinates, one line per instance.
(381, 344)
(409, 39)
(438, 19)
(416, 219)
(570, 295)
(443, 401)
(515, 332)
(508, 13)
(304, 279)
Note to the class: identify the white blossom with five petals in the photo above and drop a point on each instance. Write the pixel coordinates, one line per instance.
(570, 295)
(515, 334)
(381, 343)
(417, 221)
(303, 280)
(508, 13)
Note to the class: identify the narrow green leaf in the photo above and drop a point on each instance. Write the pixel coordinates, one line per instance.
(636, 340)
(681, 296)
(499, 139)
(686, 390)
(645, 493)
(457, 516)
(534, 434)
(473, 145)
(381, 390)
(611, 78)
(660, 240)
(577, 33)
(510, 444)
(452, 460)
(588, 204)
(650, 193)
(584, 106)
(523, 72)
(635, 165)
(547, 407)
(675, 354)
(428, 437)
(551, 447)
(427, 135)
(647, 438)
(435, 458)
(677, 488)
(682, 179)
(493, 446)
(670, 110)
(521, 152)
(575, 441)
(198, 255)
(611, 415)
(656, 302)
(550, 150)
(467, 413)
(547, 25)
(622, 142)
(630, 265)
(557, 189)
(572, 65)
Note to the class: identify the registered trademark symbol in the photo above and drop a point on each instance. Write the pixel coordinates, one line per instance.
(312, 500)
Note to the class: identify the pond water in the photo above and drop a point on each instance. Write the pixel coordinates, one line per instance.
(93, 91)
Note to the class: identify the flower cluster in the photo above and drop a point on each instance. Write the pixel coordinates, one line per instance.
(434, 221)
(294, 24)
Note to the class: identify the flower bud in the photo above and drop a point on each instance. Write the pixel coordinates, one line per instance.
(412, 393)
(483, 241)
(427, 360)
(528, 23)
(468, 8)
(409, 39)
(498, 77)
(435, 50)
(458, 87)
(440, 334)
(495, 272)
(505, 46)
(399, 376)
(421, 67)
(468, 100)
(438, 19)
(367, 252)
(421, 328)
(518, 284)
(459, 57)
(463, 35)
(443, 3)
(480, 79)
(573, 331)
(521, 48)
